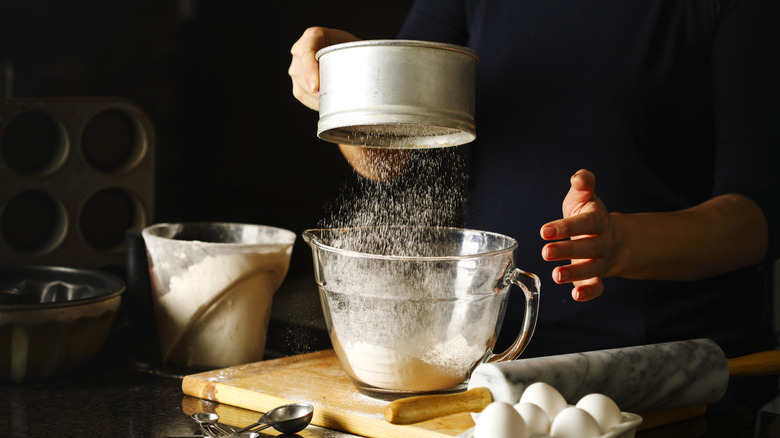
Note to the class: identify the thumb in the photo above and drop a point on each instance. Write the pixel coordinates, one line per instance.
(582, 191)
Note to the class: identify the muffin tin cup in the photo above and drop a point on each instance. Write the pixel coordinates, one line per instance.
(75, 175)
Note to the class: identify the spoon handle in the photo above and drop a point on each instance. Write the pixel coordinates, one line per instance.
(205, 429)
(244, 429)
(252, 433)
(263, 427)
(220, 431)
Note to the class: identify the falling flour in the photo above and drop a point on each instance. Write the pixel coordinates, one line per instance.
(366, 334)
(430, 192)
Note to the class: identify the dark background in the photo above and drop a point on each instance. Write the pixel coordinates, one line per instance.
(232, 143)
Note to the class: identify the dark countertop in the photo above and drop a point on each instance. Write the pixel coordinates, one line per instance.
(119, 395)
(126, 392)
(116, 395)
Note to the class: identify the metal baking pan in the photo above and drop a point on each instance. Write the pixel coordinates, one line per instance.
(75, 175)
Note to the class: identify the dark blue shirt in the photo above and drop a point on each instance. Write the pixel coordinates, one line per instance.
(668, 102)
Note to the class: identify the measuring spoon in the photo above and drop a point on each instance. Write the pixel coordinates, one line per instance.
(290, 418)
(207, 421)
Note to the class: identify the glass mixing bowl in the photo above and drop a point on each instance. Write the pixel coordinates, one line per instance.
(414, 310)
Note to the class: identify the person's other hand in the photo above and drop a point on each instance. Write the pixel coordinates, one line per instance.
(593, 244)
(304, 68)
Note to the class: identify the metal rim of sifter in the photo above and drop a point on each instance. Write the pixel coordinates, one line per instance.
(404, 94)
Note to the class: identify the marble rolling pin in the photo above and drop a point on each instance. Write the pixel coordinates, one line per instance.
(639, 379)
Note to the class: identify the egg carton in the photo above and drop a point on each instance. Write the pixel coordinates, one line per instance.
(75, 175)
(626, 429)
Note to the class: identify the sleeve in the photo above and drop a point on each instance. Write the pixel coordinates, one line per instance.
(442, 21)
(746, 102)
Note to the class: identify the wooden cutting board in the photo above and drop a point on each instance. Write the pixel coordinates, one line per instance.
(315, 378)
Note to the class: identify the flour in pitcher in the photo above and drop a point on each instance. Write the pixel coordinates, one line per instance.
(215, 313)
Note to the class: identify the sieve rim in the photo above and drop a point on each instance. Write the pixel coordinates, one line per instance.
(397, 43)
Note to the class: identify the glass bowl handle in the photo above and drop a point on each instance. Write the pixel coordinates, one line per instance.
(529, 283)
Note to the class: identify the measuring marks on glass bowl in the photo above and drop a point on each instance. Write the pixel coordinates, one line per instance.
(75, 175)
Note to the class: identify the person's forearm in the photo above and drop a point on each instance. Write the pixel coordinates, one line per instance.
(726, 233)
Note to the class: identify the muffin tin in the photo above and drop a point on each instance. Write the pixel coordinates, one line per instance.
(75, 175)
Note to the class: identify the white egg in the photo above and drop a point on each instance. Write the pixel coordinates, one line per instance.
(535, 417)
(546, 397)
(603, 409)
(500, 420)
(573, 422)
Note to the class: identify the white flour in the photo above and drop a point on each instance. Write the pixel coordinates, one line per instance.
(429, 193)
(215, 314)
(445, 366)
(407, 343)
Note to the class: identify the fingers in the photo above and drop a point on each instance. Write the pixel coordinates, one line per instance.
(594, 220)
(583, 212)
(585, 248)
(578, 270)
(304, 96)
(585, 222)
(588, 290)
(304, 68)
(304, 51)
(588, 255)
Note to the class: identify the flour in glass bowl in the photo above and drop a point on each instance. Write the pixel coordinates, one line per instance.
(444, 366)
